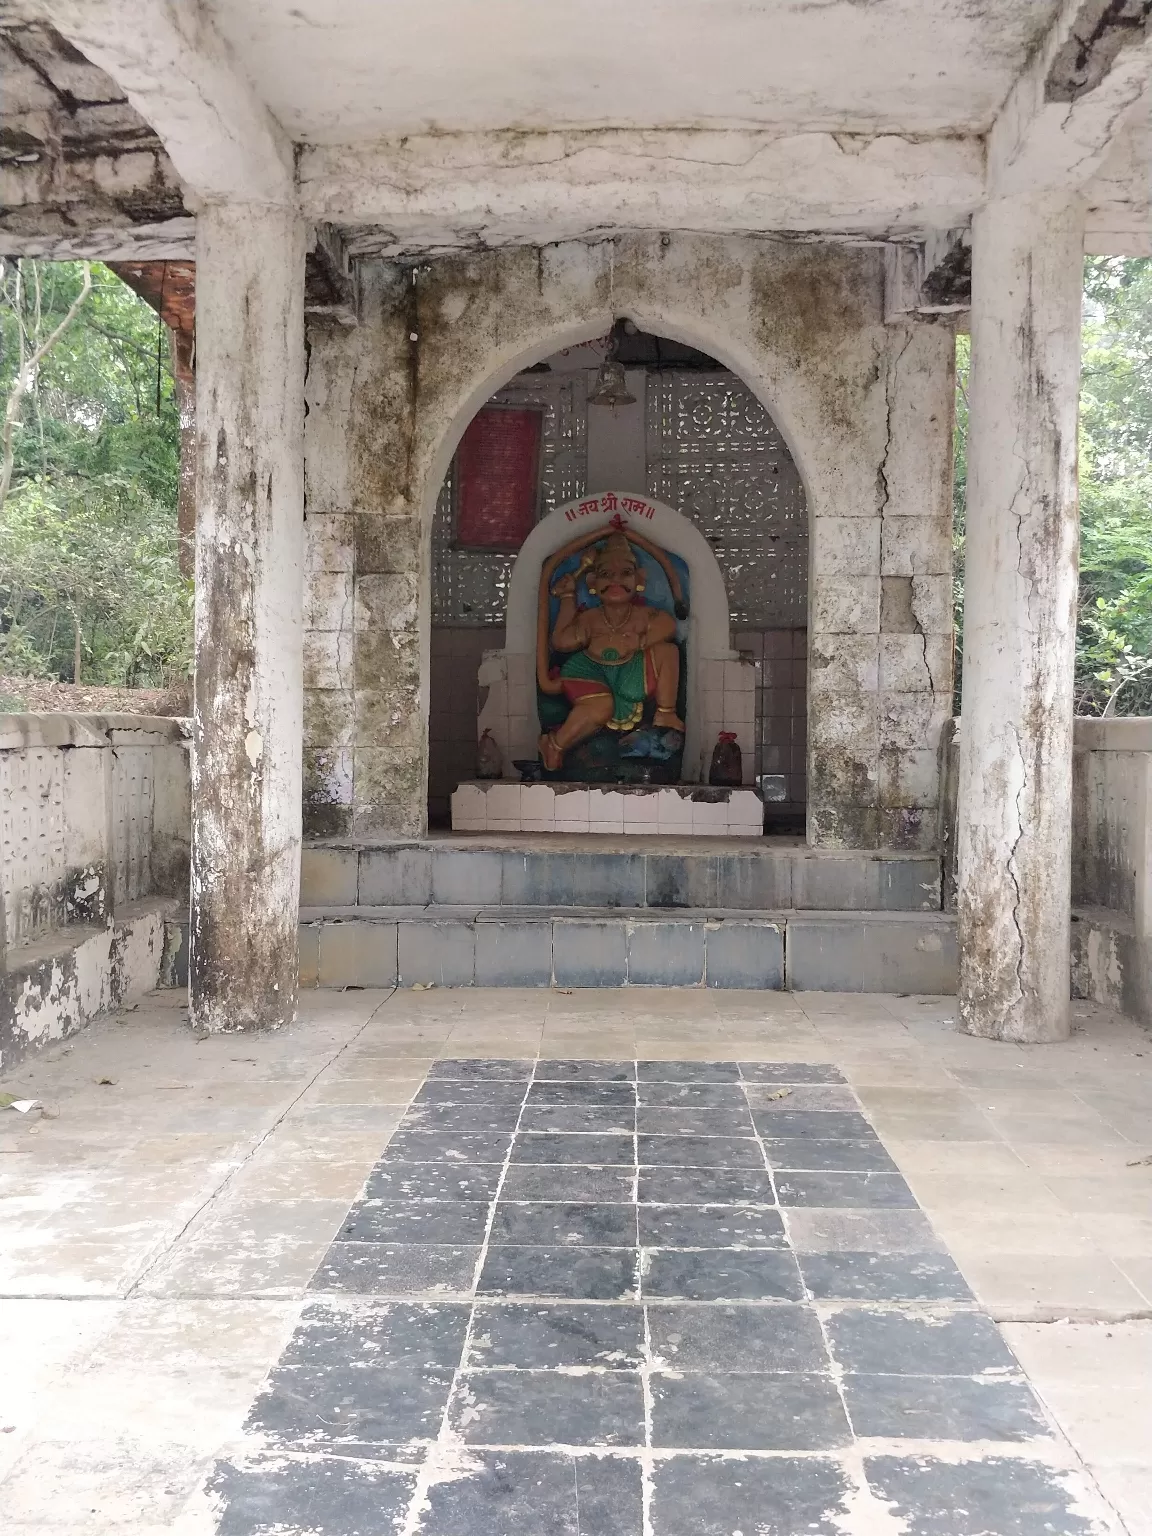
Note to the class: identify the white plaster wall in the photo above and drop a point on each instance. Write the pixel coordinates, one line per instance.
(81, 815)
(1112, 789)
(866, 409)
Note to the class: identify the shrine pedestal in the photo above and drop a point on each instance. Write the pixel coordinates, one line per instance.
(675, 810)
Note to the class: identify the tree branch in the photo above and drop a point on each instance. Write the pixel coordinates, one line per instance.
(23, 380)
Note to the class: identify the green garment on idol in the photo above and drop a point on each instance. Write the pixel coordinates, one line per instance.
(627, 682)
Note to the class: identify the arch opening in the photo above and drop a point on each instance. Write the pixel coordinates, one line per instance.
(694, 437)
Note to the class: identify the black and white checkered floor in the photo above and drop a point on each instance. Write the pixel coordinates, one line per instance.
(644, 1299)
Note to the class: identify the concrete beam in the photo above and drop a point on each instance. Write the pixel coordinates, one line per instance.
(440, 192)
(177, 72)
(1076, 95)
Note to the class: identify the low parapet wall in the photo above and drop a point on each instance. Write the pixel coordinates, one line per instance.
(1111, 857)
(95, 822)
(1112, 864)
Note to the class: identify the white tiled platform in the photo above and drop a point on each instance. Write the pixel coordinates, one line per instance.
(677, 810)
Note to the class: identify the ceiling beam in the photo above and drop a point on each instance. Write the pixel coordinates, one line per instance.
(177, 72)
(444, 191)
(1074, 97)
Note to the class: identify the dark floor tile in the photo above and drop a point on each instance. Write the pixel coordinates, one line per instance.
(470, 1119)
(386, 1332)
(579, 1118)
(599, 1150)
(454, 1090)
(833, 1155)
(536, 1493)
(784, 1337)
(487, 1068)
(352, 1408)
(548, 1408)
(585, 1072)
(942, 1408)
(616, 1095)
(700, 1152)
(416, 1221)
(692, 1095)
(790, 1072)
(559, 1334)
(722, 1274)
(695, 1186)
(609, 1496)
(687, 1072)
(822, 1124)
(565, 1225)
(570, 1274)
(396, 1269)
(884, 1277)
(446, 1147)
(845, 1190)
(695, 1122)
(710, 1226)
(751, 1412)
(866, 1339)
(775, 1496)
(433, 1181)
(995, 1495)
(559, 1181)
(326, 1496)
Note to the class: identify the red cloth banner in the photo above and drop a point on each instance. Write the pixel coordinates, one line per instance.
(497, 465)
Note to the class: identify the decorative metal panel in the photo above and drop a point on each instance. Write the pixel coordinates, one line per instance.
(471, 586)
(716, 455)
(132, 800)
(33, 840)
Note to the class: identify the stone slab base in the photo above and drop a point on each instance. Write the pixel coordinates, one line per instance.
(678, 810)
(53, 988)
(508, 947)
(493, 870)
(1111, 962)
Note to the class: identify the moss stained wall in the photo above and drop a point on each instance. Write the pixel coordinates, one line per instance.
(866, 409)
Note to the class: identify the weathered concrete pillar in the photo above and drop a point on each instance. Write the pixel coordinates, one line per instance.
(1014, 834)
(249, 597)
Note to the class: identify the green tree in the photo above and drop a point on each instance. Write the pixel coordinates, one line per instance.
(89, 577)
(1114, 628)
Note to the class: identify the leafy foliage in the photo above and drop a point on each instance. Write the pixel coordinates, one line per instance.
(88, 542)
(1114, 629)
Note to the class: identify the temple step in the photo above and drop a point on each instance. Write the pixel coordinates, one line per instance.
(558, 871)
(494, 946)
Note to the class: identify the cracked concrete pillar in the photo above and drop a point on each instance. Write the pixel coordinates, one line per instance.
(1015, 796)
(246, 800)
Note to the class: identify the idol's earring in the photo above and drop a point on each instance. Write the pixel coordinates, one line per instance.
(591, 585)
(641, 585)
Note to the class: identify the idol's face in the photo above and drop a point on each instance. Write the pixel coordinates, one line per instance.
(615, 577)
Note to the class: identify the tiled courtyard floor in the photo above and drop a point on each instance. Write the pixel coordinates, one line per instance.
(599, 1264)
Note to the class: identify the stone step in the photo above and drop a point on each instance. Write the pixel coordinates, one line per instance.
(492, 946)
(554, 871)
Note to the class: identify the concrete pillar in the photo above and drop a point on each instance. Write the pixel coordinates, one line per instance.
(1015, 796)
(249, 597)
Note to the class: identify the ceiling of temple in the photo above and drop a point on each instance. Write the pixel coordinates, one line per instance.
(359, 70)
(419, 126)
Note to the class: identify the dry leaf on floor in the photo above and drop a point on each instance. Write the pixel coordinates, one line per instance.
(105, 1082)
(780, 1093)
(1141, 1162)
